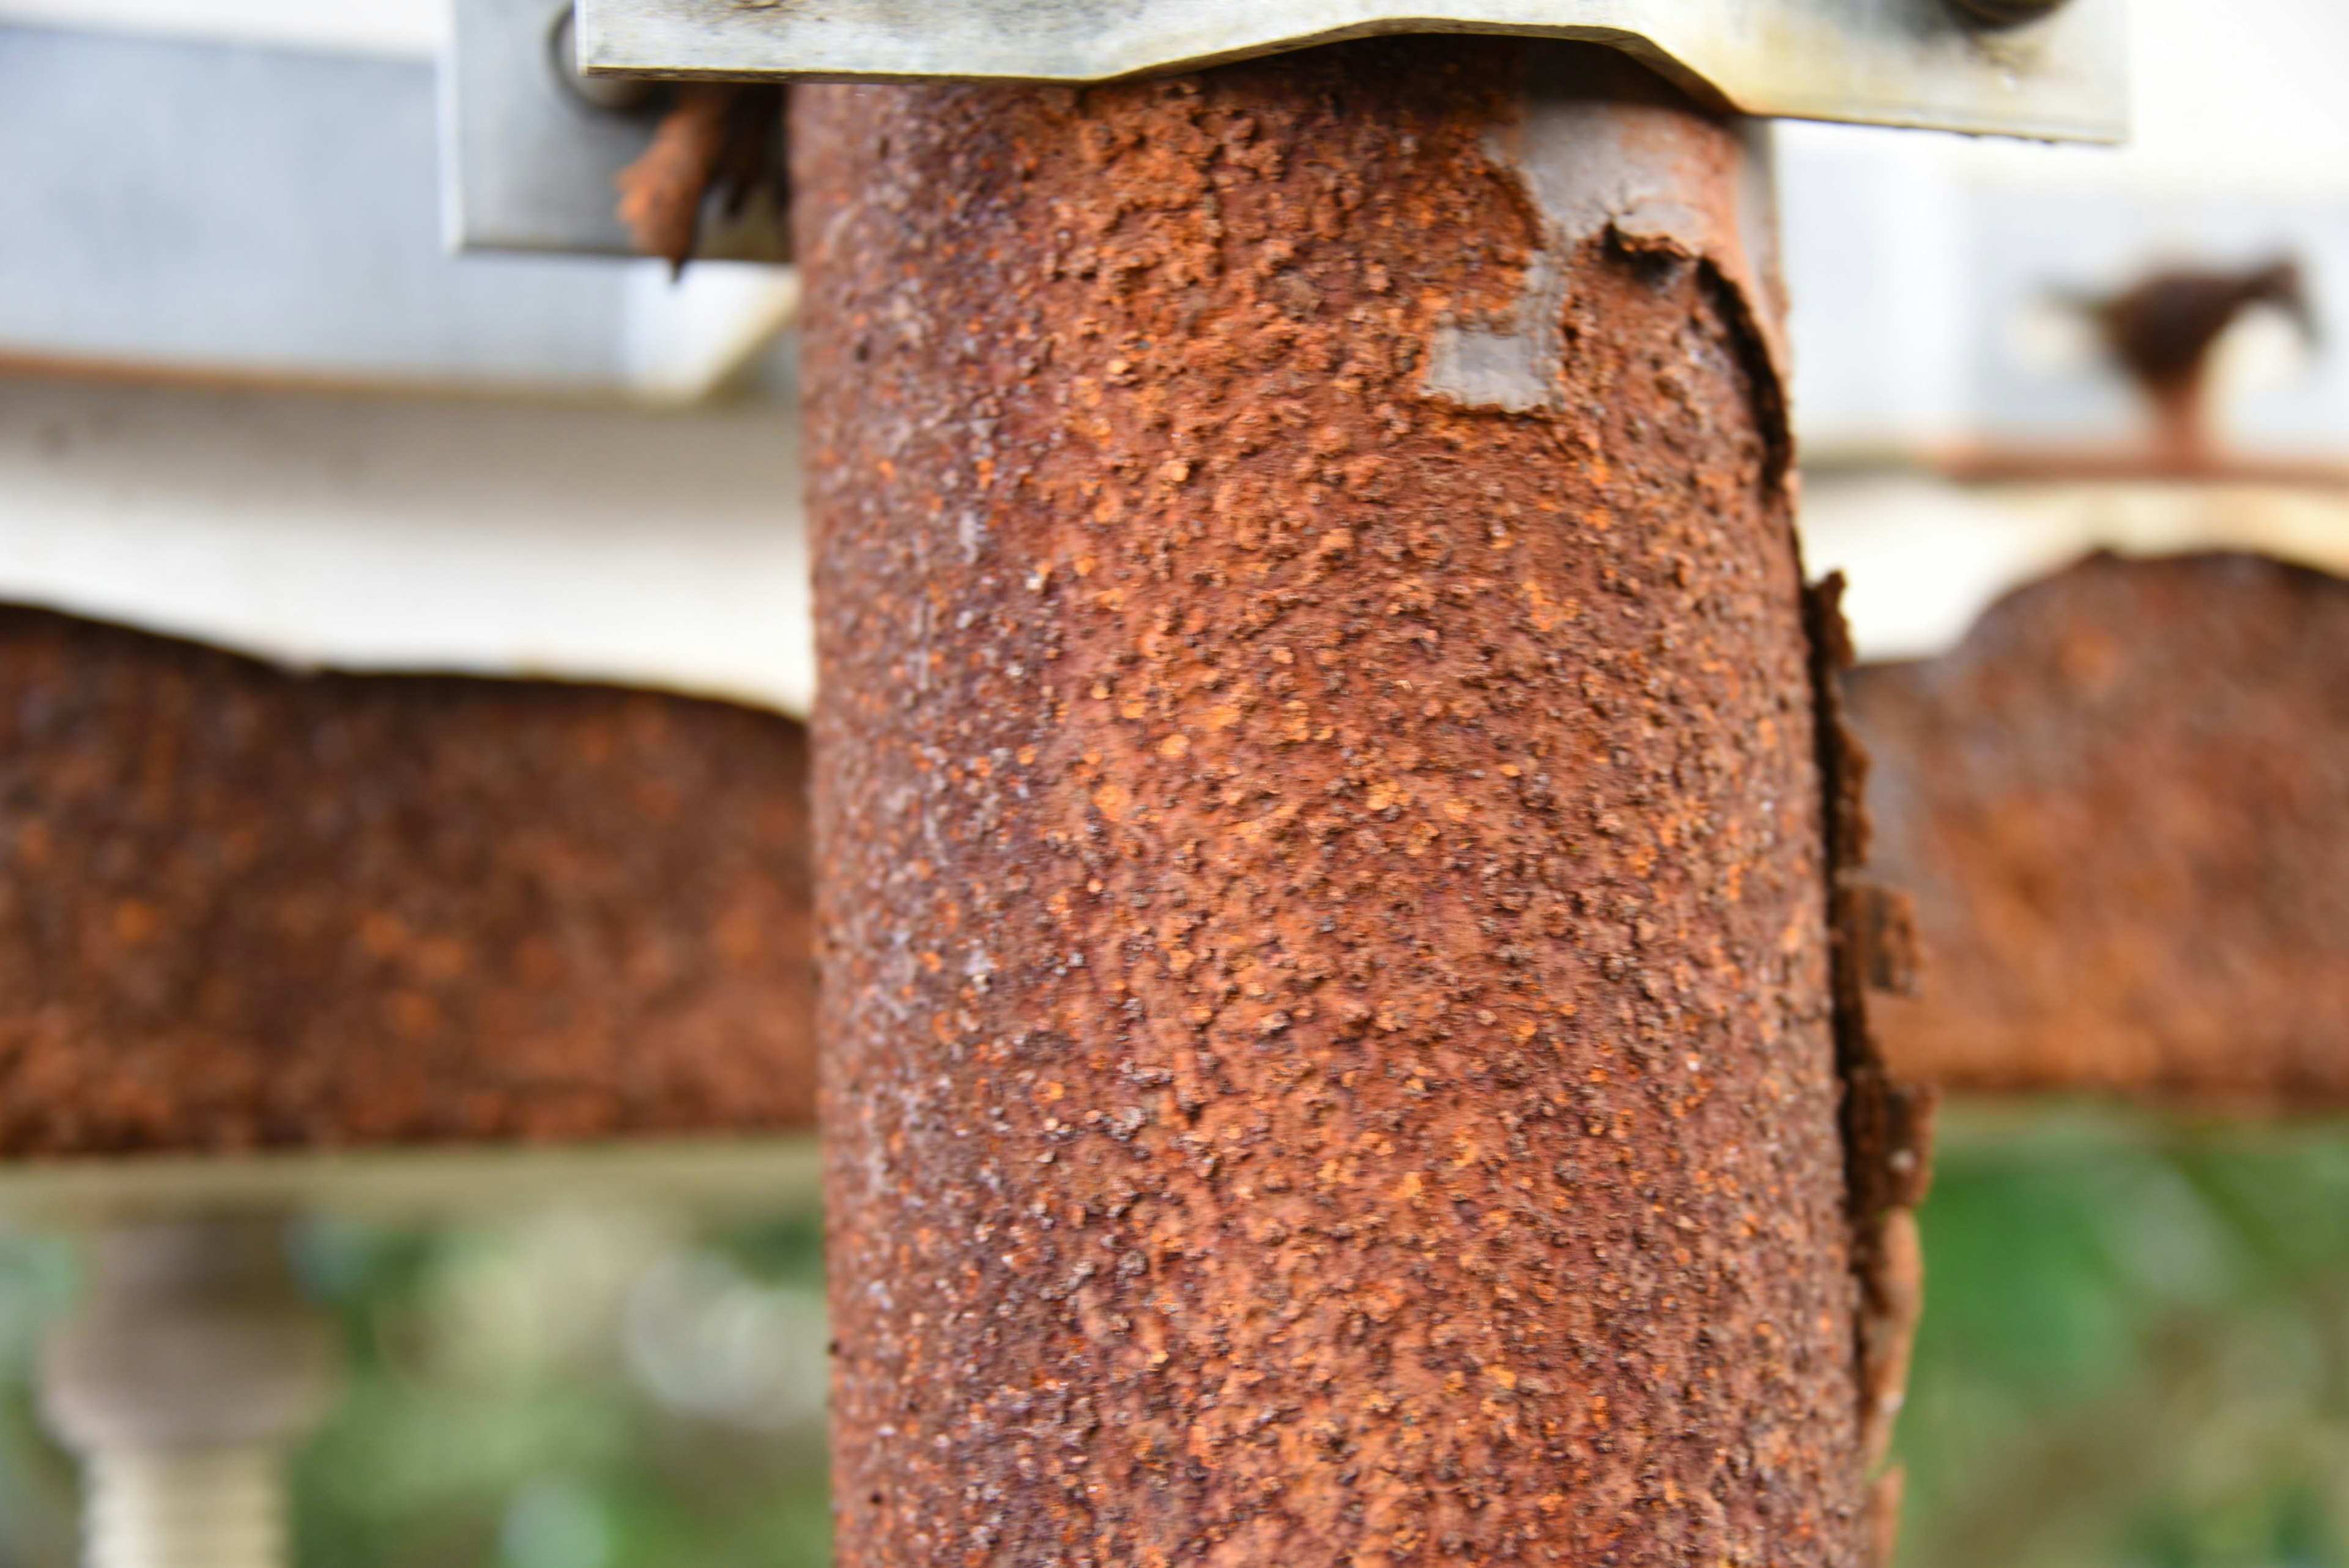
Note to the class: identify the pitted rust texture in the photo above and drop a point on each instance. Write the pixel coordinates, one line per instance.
(1327, 1006)
(2123, 806)
(239, 907)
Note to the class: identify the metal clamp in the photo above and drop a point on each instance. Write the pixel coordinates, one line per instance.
(2044, 68)
(529, 153)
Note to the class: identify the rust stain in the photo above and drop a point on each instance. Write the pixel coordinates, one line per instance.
(2121, 805)
(1399, 1123)
(243, 908)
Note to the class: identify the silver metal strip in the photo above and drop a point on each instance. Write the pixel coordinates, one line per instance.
(1916, 63)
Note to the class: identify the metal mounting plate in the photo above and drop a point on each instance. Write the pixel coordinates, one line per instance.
(1886, 62)
(528, 165)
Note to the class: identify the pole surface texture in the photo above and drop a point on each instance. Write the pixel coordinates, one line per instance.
(1327, 972)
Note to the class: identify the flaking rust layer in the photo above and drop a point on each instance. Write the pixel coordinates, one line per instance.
(1329, 1054)
(244, 908)
(2122, 807)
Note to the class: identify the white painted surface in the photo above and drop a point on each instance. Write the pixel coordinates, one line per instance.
(1928, 272)
(209, 208)
(1924, 558)
(400, 29)
(684, 339)
(380, 532)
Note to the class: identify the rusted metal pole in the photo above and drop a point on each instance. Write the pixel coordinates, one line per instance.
(1327, 990)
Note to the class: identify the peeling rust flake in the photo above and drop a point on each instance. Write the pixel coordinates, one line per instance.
(1328, 1040)
(1888, 1120)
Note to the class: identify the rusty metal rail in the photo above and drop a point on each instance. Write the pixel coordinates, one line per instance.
(2123, 808)
(241, 907)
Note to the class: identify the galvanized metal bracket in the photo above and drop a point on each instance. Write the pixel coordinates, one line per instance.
(1940, 65)
(528, 158)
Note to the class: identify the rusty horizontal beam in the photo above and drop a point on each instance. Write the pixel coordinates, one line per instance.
(2123, 808)
(245, 907)
(242, 907)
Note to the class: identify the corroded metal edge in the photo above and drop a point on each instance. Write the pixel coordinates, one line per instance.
(1888, 1120)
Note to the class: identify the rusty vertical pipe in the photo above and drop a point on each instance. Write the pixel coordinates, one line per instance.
(1327, 985)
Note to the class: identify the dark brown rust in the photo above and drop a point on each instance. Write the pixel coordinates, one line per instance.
(2123, 806)
(1888, 1122)
(716, 139)
(1327, 1006)
(239, 907)
(2161, 330)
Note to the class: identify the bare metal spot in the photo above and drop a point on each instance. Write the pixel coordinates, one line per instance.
(1516, 369)
(1593, 166)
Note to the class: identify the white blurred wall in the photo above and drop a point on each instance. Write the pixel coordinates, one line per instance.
(399, 29)
(489, 535)
(1933, 280)
(246, 394)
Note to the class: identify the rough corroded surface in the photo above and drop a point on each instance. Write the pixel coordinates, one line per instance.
(241, 907)
(2122, 807)
(1888, 1120)
(1327, 1002)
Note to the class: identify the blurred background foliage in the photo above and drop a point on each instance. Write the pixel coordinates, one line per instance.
(608, 1388)
(2135, 1351)
(2135, 1354)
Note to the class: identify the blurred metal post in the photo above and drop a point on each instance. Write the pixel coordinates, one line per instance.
(183, 1382)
